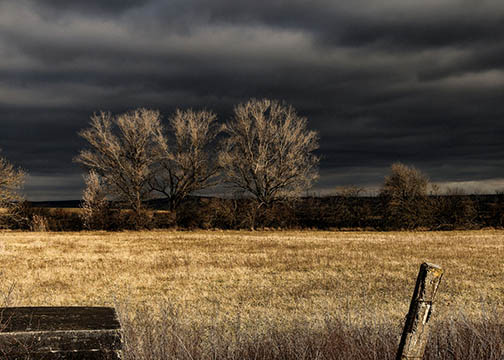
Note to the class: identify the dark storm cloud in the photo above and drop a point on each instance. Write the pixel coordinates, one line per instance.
(400, 24)
(90, 6)
(419, 82)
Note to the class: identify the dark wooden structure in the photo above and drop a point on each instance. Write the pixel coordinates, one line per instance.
(59, 333)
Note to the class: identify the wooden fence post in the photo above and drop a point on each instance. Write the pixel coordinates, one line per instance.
(415, 333)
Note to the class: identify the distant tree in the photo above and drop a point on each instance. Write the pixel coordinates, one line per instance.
(350, 191)
(186, 155)
(11, 181)
(268, 152)
(405, 197)
(95, 207)
(122, 151)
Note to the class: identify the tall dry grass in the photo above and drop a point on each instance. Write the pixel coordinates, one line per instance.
(262, 295)
(170, 335)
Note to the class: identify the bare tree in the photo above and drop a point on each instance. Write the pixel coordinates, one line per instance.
(186, 152)
(122, 152)
(95, 206)
(269, 151)
(405, 196)
(11, 180)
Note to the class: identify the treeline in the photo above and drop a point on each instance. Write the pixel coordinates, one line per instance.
(338, 212)
(264, 157)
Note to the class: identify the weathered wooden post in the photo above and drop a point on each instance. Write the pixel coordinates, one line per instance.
(60, 333)
(415, 334)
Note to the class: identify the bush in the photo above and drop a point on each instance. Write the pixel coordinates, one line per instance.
(496, 217)
(39, 223)
(164, 219)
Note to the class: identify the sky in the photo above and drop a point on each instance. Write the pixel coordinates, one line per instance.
(420, 82)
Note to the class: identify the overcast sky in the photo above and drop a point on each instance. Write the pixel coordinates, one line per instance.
(421, 82)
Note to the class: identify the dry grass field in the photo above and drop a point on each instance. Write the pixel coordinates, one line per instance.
(251, 280)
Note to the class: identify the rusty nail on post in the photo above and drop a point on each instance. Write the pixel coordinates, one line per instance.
(415, 334)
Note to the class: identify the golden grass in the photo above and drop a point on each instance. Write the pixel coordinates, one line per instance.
(266, 275)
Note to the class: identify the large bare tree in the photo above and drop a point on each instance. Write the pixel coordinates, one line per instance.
(187, 155)
(122, 152)
(269, 151)
(11, 180)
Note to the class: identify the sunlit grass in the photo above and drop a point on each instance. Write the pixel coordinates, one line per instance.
(274, 274)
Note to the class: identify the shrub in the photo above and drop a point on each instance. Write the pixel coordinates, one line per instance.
(39, 223)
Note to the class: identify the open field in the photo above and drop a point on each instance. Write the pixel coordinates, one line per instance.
(277, 272)
(255, 278)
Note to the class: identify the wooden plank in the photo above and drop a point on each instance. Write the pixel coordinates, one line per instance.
(67, 340)
(58, 318)
(416, 329)
(70, 355)
(60, 333)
